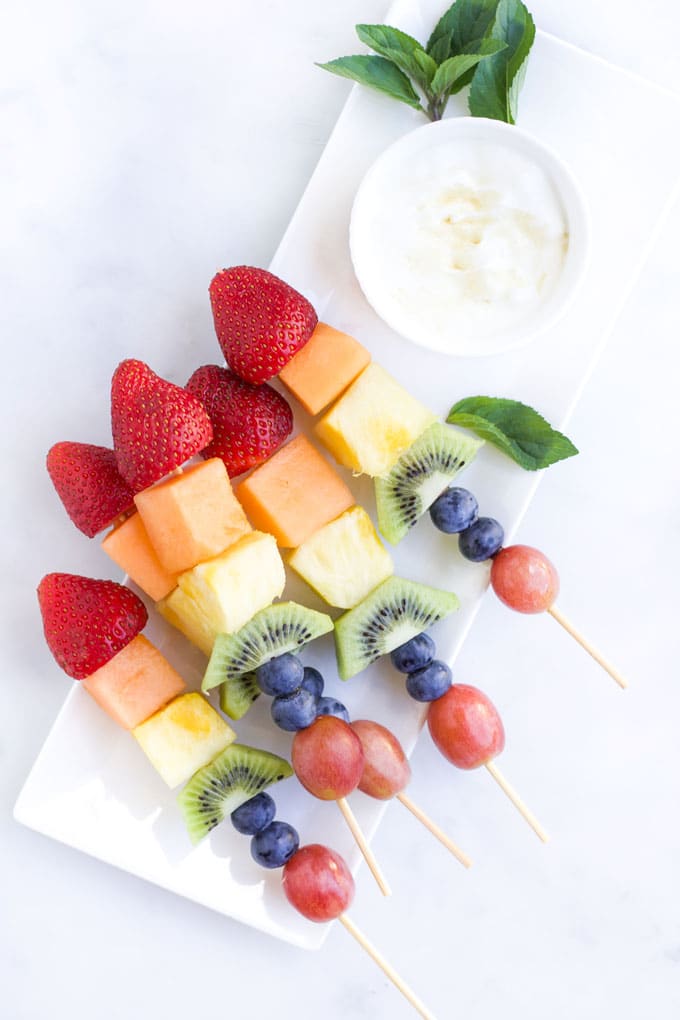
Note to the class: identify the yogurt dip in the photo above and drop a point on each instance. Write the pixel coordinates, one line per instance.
(461, 243)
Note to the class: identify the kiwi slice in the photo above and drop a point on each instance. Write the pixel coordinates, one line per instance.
(392, 614)
(232, 778)
(420, 476)
(237, 696)
(282, 627)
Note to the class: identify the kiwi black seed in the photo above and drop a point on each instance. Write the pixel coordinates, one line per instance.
(420, 476)
(232, 778)
(392, 614)
(282, 627)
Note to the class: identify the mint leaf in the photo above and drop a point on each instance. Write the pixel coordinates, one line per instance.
(378, 73)
(516, 429)
(402, 49)
(497, 81)
(449, 74)
(463, 23)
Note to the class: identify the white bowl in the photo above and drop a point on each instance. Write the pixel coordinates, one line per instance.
(380, 258)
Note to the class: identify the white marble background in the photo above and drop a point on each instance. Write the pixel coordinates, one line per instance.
(142, 145)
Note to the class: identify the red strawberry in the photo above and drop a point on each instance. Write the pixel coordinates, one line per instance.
(88, 483)
(156, 425)
(260, 321)
(86, 621)
(249, 422)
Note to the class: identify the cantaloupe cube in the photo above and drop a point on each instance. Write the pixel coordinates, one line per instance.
(344, 560)
(135, 683)
(129, 546)
(183, 737)
(324, 367)
(180, 610)
(373, 423)
(192, 516)
(232, 587)
(294, 493)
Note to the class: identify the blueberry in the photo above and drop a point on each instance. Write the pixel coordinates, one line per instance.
(255, 815)
(330, 706)
(481, 540)
(294, 711)
(274, 845)
(312, 681)
(280, 675)
(415, 654)
(430, 682)
(454, 511)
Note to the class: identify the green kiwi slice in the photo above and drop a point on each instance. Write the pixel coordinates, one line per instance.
(282, 627)
(392, 614)
(232, 778)
(237, 696)
(420, 476)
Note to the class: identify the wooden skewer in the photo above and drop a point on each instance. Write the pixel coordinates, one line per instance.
(368, 854)
(599, 658)
(386, 968)
(517, 801)
(434, 829)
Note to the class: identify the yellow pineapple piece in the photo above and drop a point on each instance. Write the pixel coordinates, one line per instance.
(344, 560)
(230, 588)
(373, 423)
(182, 612)
(183, 737)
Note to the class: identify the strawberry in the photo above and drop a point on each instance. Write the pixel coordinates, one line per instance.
(88, 484)
(156, 425)
(260, 321)
(249, 422)
(86, 621)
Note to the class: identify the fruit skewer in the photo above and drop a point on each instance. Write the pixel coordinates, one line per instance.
(89, 625)
(316, 880)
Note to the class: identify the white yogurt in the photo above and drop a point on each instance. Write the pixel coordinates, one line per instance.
(460, 242)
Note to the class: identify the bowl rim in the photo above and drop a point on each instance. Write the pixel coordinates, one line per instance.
(574, 205)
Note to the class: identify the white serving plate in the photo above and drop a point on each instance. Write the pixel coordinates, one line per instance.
(91, 787)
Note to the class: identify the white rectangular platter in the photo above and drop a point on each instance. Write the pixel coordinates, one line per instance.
(91, 786)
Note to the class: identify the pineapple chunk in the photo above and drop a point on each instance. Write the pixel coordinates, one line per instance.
(183, 613)
(183, 737)
(373, 423)
(230, 588)
(345, 560)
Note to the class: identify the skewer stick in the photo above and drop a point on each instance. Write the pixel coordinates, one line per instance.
(599, 658)
(386, 968)
(517, 801)
(434, 829)
(368, 854)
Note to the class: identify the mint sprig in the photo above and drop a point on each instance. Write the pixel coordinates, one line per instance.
(481, 43)
(514, 428)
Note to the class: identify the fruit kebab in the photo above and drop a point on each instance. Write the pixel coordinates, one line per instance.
(190, 543)
(92, 628)
(373, 426)
(316, 880)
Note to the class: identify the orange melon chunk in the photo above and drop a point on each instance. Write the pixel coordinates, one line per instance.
(294, 493)
(193, 516)
(134, 684)
(324, 367)
(128, 545)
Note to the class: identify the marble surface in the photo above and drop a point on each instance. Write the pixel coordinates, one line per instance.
(143, 144)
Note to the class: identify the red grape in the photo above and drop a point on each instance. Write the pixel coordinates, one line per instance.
(524, 579)
(466, 727)
(318, 883)
(386, 768)
(328, 758)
